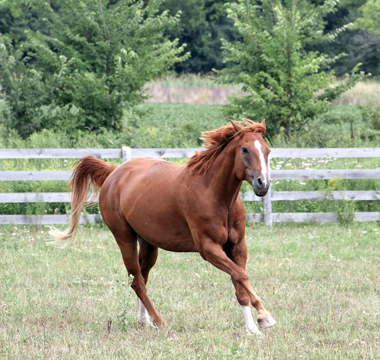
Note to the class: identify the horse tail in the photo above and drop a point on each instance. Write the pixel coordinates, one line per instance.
(84, 186)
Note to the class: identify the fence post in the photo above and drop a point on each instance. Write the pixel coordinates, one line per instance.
(267, 200)
(127, 153)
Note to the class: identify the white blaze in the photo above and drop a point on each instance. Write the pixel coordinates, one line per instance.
(262, 161)
(249, 322)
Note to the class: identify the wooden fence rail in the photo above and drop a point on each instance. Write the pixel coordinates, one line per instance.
(127, 153)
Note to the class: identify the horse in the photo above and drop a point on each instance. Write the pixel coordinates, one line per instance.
(149, 203)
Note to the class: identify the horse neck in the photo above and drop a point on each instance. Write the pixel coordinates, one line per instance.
(221, 177)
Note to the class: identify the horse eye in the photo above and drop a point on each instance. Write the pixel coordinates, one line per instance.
(244, 150)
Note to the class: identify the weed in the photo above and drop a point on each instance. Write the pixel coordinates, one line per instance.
(125, 299)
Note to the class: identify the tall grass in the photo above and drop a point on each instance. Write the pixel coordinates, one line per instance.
(365, 92)
(191, 89)
(200, 89)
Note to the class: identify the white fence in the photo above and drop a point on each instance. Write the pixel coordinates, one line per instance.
(127, 153)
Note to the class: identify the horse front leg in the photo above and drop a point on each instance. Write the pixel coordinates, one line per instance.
(238, 254)
(214, 254)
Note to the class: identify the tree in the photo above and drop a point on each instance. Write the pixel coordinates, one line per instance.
(94, 61)
(284, 83)
(16, 17)
(370, 19)
(202, 24)
(360, 46)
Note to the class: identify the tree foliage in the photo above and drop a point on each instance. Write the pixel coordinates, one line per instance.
(370, 19)
(16, 17)
(203, 23)
(284, 83)
(94, 61)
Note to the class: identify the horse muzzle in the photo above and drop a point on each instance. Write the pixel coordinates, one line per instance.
(260, 186)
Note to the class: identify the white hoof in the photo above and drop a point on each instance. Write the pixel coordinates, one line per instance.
(145, 321)
(254, 332)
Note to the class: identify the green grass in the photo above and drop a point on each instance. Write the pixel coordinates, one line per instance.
(320, 282)
(171, 125)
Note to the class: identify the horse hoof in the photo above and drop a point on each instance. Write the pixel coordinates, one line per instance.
(161, 325)
(255, 333)
(147, 323)
(266, 322)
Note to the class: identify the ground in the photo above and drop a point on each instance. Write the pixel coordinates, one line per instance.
(319, 281)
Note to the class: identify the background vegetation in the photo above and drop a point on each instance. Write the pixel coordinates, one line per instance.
(283, 80)
(179, 125)
(92, 64)
(77, 66)
(204, 22)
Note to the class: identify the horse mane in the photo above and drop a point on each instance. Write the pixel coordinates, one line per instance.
(216, 140)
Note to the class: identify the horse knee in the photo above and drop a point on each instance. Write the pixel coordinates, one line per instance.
(241, 277)
(138, 283)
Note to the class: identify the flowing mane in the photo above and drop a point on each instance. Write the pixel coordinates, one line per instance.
(216, 140)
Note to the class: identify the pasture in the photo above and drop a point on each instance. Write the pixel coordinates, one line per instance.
(319, 281)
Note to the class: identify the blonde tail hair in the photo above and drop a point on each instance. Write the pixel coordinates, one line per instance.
(84, 186)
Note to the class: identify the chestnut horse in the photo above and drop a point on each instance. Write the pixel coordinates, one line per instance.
(191, 208)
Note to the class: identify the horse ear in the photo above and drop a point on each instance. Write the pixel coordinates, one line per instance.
(265, 128)
(236, 127)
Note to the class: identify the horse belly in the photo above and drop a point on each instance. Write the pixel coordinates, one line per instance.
(157, 218)
(163, 229)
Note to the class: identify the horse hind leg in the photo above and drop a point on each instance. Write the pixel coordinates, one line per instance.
(126, 238)
(147, 258)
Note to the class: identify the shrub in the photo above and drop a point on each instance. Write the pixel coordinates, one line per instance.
(94, 62)
(286, 84)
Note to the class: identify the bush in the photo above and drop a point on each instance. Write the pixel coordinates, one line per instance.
(94, 63)
(286, 84)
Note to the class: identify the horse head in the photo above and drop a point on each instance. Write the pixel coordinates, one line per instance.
(251, 162)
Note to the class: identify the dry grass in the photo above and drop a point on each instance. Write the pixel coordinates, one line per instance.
(197, 89)
(191, 89)
(367, 92)
(320, 281)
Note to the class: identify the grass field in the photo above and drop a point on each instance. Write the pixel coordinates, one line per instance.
(320, 282)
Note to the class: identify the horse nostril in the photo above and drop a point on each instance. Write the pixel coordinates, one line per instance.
(259, 182)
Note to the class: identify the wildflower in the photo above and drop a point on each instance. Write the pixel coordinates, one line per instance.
(333, 183)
